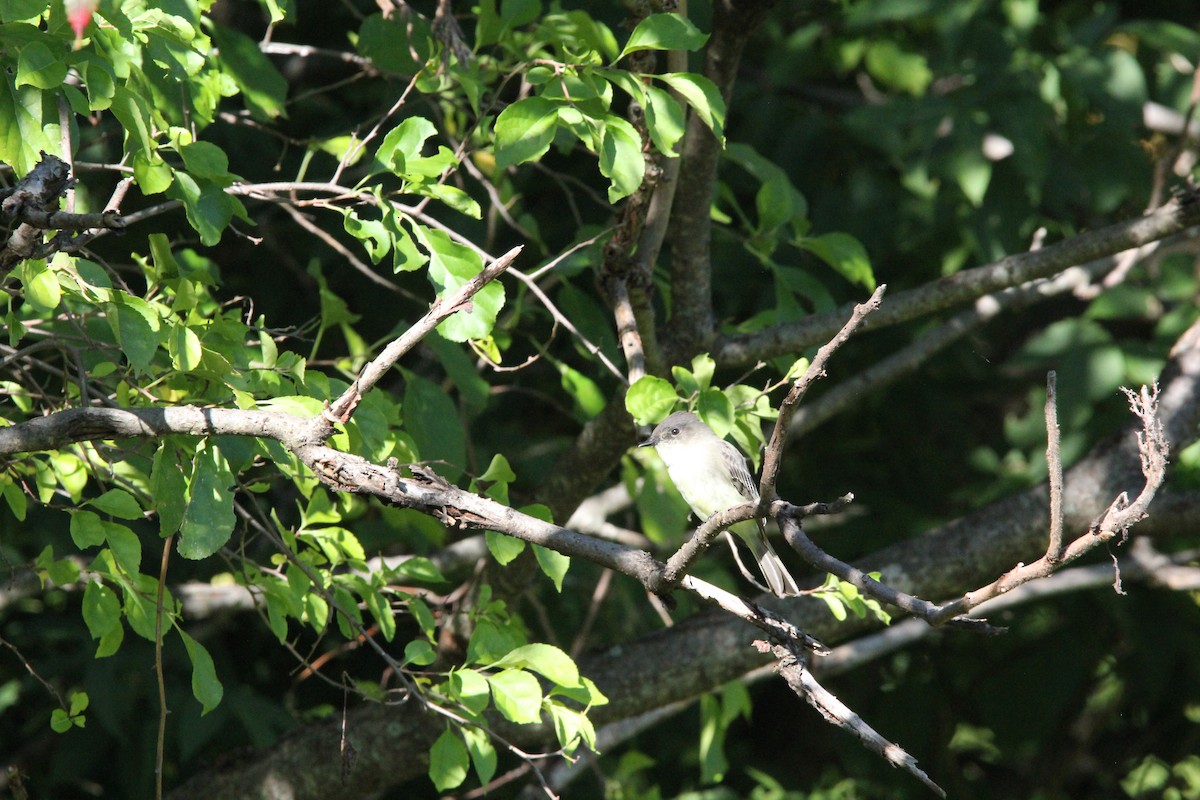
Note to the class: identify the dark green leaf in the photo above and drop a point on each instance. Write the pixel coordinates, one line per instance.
(208, 519)
(845, 254)
(206, 687)
(263, 88)
(621, 158)
(432, 420)
(38, 66)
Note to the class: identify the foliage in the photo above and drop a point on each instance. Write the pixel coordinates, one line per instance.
(295, 210)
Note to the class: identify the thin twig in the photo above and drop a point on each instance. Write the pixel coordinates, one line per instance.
(816, 370)
(1116, 519)
(1054, 470)
(158, 669)
(341, 409)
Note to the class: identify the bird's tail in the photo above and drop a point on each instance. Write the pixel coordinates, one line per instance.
(779, 580)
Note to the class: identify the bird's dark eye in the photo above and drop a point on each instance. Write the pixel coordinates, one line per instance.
(674, 431)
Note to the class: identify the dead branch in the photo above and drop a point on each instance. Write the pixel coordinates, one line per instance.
(816, 370)
(342, 408)
(1120, 515)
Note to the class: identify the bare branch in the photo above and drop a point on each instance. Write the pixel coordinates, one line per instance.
(1054, 470)
(341, 409)
(803, 683)
(794, 533)
(984, 309)
(1117, 519)
(815, 371)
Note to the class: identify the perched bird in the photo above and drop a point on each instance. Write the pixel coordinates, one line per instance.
(712, 475)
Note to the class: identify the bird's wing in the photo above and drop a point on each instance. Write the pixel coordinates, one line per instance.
(739, 471)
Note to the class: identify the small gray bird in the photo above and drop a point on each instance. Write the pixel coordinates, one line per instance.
(712, 475)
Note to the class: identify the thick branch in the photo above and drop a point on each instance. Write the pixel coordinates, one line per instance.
(964, 286)
(692, 320)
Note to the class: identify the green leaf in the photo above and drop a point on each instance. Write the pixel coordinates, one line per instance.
(87, 529)
(38, 66)
(205, 160)
(424, 617)
(589, 399)
(452, 196)
(206, 687)
(101, 609)
(517, 695)
(845, 254)
(41, 285)
(545, 659)
(403, 143)
(419, 570)
(208, 209)
(62, 720)
(665, 32)
(419, 652)
(395, 45)
(898, 68)
(499, 470)
(503, 548)
(483, 753)
(716, 409)
(572, 727)
(168, 488)
(525, 130)
(22, 135)
(703, 96)
(432, 420)
(154, 175)
(125, 546)
(381, 610)
(208, 519)
(59, 721)
(650, 399)
(184, 346)
(470, 688)
(553, 563)
(621, 159)
(448, 761)
(665, 121)
(117, 503)
(61, 571)
(132, 112)
(263, 88)
(490, 641)
(450, 266)
(17, 501)
(135, 325)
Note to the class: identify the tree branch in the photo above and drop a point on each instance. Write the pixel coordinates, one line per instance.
(341, 409)
(816, 370)
(1013, 270)
(691, 326)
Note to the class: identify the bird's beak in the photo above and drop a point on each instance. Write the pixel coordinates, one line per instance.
(649, 442)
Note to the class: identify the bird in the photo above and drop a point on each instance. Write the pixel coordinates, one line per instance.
(713, 475)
